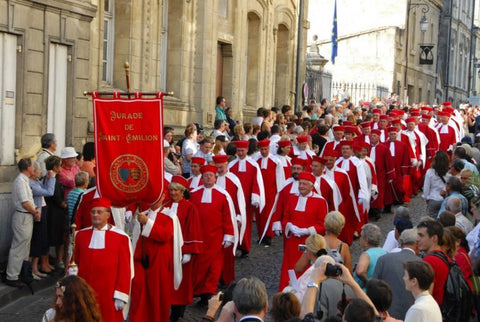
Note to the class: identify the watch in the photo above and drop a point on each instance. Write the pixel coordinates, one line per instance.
(312, 284)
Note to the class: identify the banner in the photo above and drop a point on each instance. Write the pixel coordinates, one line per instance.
(129, 148)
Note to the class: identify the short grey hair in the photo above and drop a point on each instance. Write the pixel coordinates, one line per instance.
(36, 165)
(250, 296)
(47, 140)
(297, 129)
(454, 205)
(402, 212)
(81, 179)
(408, 237)
(372, 234)
(334, 222)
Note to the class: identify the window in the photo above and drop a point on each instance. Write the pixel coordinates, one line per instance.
(108, 37)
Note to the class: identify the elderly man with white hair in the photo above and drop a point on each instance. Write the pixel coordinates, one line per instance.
(454, 205)
(390, 269)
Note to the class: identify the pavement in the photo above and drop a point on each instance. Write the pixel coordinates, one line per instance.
(263, 262)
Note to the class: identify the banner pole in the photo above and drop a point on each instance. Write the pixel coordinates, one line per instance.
(85, 93)
(126, 65)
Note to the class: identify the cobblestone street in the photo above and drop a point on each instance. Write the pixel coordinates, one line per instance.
(263, 262)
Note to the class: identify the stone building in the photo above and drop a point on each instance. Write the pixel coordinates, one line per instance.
(51, 51)
(372, 45)
(457, 50)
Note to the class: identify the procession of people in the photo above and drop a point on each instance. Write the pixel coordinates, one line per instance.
(150, 261)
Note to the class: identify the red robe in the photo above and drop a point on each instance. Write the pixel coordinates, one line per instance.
(348, 206)
(187, 214)
(152, 286)
(312, 217)
(289, 188)
(330, 146)
(432, 145)
(217, 215)
(448, 137)
(324, 188)
(286, 163)
(194, 182)
(106, 267)
(252, 185)
(382, 159)
(356, 172)
(83, 219)
(401, 167)
(232, 185)
(273, 180)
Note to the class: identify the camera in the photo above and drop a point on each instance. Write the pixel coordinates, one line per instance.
(333, 270)
(302, 248)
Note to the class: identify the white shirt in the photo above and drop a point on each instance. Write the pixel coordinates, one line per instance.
(390, 242)
(433, 185)
(425, 309)
(463, 223)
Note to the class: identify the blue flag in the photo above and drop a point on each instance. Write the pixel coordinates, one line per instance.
(334, 35)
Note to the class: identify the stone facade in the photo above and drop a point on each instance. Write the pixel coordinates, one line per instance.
(51, 51)
(44, 55)
(455, 65)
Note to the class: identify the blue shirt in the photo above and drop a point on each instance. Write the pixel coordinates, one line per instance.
(459, 196)
(220, 113)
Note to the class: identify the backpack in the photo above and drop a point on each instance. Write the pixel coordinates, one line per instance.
(336, 253)
(457, 298)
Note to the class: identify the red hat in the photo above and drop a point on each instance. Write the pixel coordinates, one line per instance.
(443, 113)
(302, 139)
(448, 109)
(220, 158)
(357, 147)
(346, 143)
(180, 180)
(366, 124)
(330, 153)
(376, 131)
(427, 108)
(100, 202)
(298, 161)
(377, 111)
(316, 158)
(365, 145)
(208, 168)
(347, 123)
(308, 176)
(392, 129)
(393, 113)
(338, 128)
(198, 160)
(415, 113)
(366, 104)
(264, 143)
(401, 112)
(350, 129)
(384, 117)
(283, 143)
(241, 144)
(426, 116)
(447, 103)
(393, 122)
(410, 120)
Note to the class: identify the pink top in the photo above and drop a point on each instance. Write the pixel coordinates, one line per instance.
(66, 178)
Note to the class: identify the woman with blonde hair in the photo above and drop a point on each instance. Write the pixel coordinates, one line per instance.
(334, 223)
